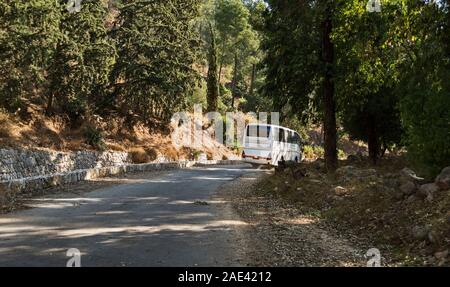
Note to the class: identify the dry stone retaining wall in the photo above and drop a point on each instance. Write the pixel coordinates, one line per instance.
(26, 171)
(17, 164)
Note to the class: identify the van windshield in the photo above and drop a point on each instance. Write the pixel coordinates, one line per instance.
(258, 131)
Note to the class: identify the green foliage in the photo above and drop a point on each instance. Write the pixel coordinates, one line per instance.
(367, 76)
(213, 73)
(238, 45)
(342, 155)
(82, 60)
(157, 47)
(198, 95)
(313, 152)
(29, 31)
(196, 154)
(425, 86)
(380, 112)
(94, 137)
(292, 58)
(391, 71)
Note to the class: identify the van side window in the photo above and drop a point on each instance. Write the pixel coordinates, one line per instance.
(263, 131)
(252, 131)
(258, 131)
(291, 138)
(281, 136)
(296, 139)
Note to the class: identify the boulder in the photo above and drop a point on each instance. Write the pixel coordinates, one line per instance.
(428, 188)
(354, 158)
(420, 232)
(441, 255)
(443, 180)
(409, 175)
(427, 191)
(339, 190)
(408, 188)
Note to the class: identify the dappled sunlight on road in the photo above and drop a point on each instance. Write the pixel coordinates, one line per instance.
(174, 212)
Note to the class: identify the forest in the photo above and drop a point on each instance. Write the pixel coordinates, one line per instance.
(377, 71)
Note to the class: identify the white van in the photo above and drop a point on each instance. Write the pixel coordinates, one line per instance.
(269, 144)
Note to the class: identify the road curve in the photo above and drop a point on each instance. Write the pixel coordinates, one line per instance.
(171, 219)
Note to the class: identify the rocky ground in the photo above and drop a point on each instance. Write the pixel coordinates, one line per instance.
(388, 207)
(284, 235)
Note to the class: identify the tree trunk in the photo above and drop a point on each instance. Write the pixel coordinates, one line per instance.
(49, 108)
(222, 57)
(374, 143)
(252, 81)
(234, 84)
(212, 81)
(330, 130)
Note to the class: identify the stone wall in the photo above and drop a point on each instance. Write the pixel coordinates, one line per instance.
(19, 164)
(26, 172)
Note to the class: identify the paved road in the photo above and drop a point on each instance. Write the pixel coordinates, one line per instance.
(152, 221)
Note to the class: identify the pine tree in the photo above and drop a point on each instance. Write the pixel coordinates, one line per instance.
(212, 79)
(157, 46)
(29, 31)
(300, 63)
(82, 60)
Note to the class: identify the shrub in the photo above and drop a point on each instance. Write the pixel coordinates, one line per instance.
(313, 152)
(75, 108)
(196, 154)
(138, 155)
(115, 147)
(94, 137)
(342, 155)
(152, 154)
(426, 117)
(4, 128)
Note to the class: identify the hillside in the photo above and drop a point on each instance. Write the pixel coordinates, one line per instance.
(38, 131)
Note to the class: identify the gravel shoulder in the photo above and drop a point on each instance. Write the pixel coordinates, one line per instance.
(280, 235)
